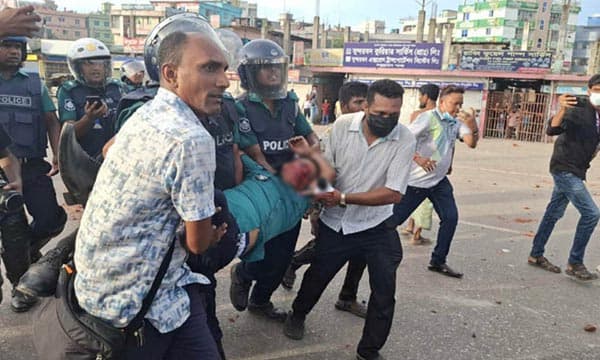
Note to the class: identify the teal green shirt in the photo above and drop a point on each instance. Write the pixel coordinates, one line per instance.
(247, 139)
(47, 104)
(263, 201)
(66, 112)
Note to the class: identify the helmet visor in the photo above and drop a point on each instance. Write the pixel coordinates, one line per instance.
(92, 72)
(269, 79)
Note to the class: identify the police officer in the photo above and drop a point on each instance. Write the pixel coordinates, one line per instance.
(92, 98)
(269, 116)
(132, 74)
(27, 115)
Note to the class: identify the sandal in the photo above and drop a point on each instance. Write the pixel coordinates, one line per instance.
(580, 272)
(445, 270)
(543, 263)
(420, 241)
(406, 231)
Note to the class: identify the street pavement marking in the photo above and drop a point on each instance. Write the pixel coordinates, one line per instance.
(14, 331)
(304, 350)
(491, 227)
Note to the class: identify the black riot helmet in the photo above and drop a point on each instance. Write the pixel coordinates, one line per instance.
(263, 69)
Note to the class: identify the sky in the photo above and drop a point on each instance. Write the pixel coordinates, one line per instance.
(333, 12)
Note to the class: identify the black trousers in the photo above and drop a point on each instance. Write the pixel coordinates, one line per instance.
(269, 272)
(356, 268)
(40, 199)
(382, 251)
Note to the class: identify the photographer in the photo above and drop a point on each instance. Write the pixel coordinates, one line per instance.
(577, 124)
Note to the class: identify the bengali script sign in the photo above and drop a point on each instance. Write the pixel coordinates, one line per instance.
(393, 55)
(508, 61)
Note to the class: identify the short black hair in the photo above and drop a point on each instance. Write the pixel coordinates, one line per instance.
(594, 80)
(431, 90)
(352, 89)
(171, 49)
(452, 89)
(386, 88)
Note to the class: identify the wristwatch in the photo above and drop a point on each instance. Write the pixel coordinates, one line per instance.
(343, 200)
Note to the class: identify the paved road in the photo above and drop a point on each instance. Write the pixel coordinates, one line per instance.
(502, 309)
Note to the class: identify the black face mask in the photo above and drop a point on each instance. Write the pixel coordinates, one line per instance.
(382, 126)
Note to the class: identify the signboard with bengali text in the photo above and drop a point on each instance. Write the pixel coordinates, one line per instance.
(393, 55)
(507, 61)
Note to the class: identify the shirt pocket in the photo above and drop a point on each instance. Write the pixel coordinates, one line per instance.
(21, 130)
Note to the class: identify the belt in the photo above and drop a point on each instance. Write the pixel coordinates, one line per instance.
(27, 160)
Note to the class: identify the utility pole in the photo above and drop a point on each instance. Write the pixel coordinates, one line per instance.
(421, 19)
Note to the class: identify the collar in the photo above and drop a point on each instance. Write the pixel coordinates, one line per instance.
(19, 72)
(442, 117)
(356, 126)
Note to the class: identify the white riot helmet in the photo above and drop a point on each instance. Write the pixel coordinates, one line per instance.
(91, 52)
(131, 68)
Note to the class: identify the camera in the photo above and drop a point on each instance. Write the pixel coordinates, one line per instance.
(10, 200)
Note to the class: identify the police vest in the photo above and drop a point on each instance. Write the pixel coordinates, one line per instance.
(143, 94)
(21, 116)
(272, 131)
(103, 129)
(220, 127)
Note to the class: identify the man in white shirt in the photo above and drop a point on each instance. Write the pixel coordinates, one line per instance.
(436, 132)
(371, 154)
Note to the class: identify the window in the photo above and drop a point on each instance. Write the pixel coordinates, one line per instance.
(64, 32)
(491, 13)
(47, 19)
(78, 33)
(539, 43)
(106, 23)
(544, 6)
(96, 23)
(488, 31)
(466, 16)
(541, 24)
(464, 33)
(61, 19)
(76, 21)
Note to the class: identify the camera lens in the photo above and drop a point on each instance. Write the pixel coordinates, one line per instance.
(13, 202)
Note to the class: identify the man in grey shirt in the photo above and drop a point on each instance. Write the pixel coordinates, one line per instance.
(436, 132)
(371, 154)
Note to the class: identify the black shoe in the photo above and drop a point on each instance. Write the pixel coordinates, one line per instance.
(41, 278)
(377, 357)
(39, 241)
(444, 269)
(293, 327)
(239, 290)
(288, 278)
(22, 302)
(353, 307)
(268, 311)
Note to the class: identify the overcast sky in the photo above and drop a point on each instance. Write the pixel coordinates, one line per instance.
(344, 12)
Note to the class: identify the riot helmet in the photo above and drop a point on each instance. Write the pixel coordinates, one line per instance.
(183, 22)
(132, 72)
(263, 69)
(90, 62)
(233, 44)
(17, 39)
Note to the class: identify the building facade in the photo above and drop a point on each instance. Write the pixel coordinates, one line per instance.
(587, 38)
(98, 25)
(525, 25)
(62, 25)
(131, 23)
(220, 13)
